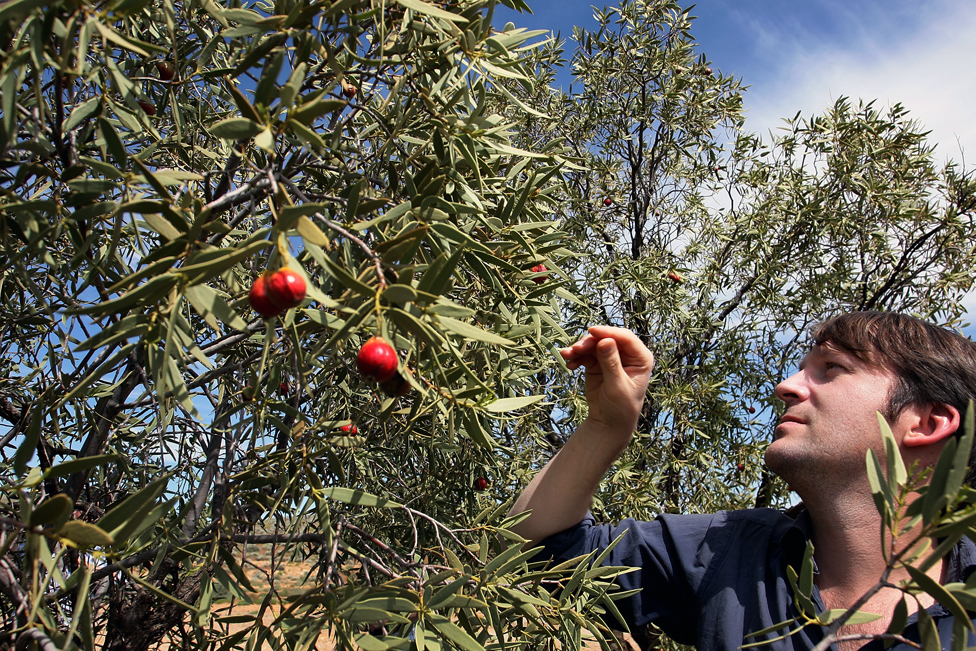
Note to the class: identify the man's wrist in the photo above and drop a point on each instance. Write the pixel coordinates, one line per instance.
(607, 435)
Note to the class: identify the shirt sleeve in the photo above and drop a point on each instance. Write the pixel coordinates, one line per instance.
(673, 553)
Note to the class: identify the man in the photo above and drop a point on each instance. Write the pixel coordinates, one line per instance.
(711, 580)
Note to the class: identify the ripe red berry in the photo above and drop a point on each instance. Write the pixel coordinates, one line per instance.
(538, 269)
(349, 429)
(148, 108)
(284, 389)
(348, 90)
(260, 298)
(608, 202)
(377, 361)
(708, 71)
(286, 288)
(480, 484)
(675, 277)
(752, 409)
(166, 70)
(740, 467)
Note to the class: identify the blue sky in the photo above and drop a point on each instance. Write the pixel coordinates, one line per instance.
(800, 55)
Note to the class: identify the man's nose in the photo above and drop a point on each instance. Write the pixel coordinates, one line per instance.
(792, 389)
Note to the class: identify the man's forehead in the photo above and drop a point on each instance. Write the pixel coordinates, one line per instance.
(830, 349)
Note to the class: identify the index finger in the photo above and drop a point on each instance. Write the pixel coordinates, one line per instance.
(629, 345)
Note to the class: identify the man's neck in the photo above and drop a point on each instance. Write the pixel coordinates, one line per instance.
(848, 547)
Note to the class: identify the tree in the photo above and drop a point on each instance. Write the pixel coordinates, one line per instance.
(159, 157)
(412, 165)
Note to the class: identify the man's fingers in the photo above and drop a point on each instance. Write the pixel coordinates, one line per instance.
(631, 349)
(614, 376)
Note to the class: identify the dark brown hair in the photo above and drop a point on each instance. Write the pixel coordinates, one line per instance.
(933, 365)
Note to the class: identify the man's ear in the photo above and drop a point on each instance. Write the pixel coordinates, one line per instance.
(932, 423)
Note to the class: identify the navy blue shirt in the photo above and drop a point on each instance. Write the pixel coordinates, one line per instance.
(710, 580)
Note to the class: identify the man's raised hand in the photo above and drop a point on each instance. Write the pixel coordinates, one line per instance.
(618, 367)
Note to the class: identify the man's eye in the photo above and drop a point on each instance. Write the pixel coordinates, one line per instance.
(832, 365)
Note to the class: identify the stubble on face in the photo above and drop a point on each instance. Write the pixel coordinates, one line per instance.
(829, 421)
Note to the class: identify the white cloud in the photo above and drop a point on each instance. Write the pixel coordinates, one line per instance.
(927, 68)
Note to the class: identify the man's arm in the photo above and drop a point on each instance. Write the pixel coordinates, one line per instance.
(618, 368)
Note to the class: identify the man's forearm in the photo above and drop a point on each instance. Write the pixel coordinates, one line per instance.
(560, 495)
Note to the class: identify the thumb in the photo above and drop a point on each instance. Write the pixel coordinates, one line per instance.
(614, 377)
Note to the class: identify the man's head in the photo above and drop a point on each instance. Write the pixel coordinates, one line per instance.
(930, 364)
(920, 377)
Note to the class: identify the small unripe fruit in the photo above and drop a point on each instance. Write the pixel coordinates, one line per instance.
(675, 277)
(377, 361)
(538, 269)
(286, 288)
(349, 429)
(148, 108)
(260, 298)
(166, 70)
(608, 202)
(480, 484)
(248, 393)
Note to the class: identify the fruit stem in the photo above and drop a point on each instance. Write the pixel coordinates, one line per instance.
(331, 225)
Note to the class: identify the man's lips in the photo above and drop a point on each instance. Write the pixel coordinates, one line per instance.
(784, 419)
(789, 418)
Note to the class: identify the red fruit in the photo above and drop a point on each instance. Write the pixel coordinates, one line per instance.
(752, 410)
(149, 109)
(284, 389)
(397, 386)
(740, 467)
(708, 71)
(348, 90)
(608, 202)
(166, 70)
(260, 298)
(538, 269)
(349, 429)
(377, 361)
(675, 277)
(480, 484)
(286, 288)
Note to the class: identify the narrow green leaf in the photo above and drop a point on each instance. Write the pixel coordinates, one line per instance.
(938, 592)
(51, 510)
(431, 10)
(928, 631)
(356, 496)
(213, 308)
(511, 404)
(897, 475)
(455, 633)
(77, 465)
(83, 112)
(469, 331)
(31, 438)
(84, 535)
(236, 129)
